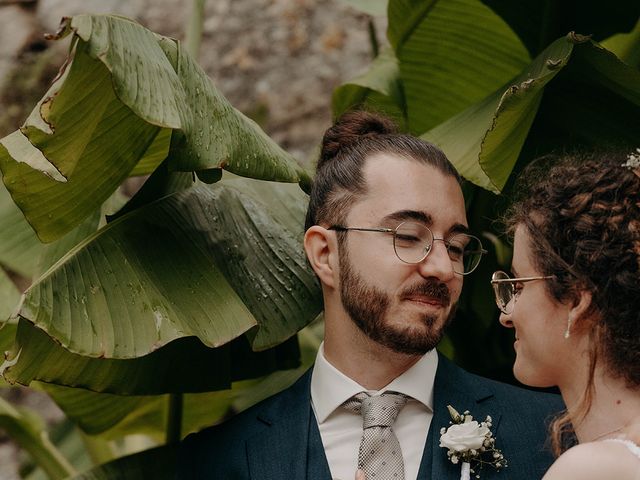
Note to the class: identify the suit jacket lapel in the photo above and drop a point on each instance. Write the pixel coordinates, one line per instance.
(453, 386)
(290, 445)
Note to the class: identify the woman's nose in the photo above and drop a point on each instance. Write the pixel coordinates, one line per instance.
(505, 320)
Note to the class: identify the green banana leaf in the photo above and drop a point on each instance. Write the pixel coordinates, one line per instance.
(9, 296)
(626, 46)
(28, 431)
(7, 338)
(540, 23)
(157, 463)
(148, 413)
(451, 54)
(379, 87)
(20, 248)
(209, 262)
(116, 416)
(74, 150)
(82, 453)
(561, 94)
(36, 356)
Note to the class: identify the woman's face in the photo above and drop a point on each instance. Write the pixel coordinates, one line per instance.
(539, 322)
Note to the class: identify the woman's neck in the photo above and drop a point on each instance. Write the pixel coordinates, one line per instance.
(613, 407)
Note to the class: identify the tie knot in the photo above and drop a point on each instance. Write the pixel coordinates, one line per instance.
(377, 411)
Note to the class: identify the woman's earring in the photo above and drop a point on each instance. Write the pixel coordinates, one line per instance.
(567, 332)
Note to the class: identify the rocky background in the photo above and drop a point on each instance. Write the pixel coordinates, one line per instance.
(277, 61)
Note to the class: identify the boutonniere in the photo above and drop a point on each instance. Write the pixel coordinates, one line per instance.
(471, 444)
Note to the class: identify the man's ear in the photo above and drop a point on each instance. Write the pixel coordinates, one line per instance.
(321, 247)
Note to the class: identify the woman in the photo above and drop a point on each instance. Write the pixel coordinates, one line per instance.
(575, 306)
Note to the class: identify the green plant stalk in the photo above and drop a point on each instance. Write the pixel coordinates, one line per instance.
(36, 443)
(373, 38)
(174, 418)
(193, 34)
(98, 448)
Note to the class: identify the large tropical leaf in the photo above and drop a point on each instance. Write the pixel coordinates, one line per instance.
(158, 463)
(147, 414)
(28, 431)
(540, 23)
(115, 416)
(36, 356)
(82, 452)
(452, 54)
(485, 140)
(74, 150)
(210, 262)
(379, 87)
(9, 296)
(626, 46)
(19, 246)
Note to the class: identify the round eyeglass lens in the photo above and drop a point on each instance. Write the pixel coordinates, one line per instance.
(465, 252)
(412, 242)
(504, 292)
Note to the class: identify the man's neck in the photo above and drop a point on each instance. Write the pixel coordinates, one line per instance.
(366, 362)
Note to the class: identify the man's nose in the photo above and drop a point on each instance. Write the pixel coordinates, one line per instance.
(437, 264)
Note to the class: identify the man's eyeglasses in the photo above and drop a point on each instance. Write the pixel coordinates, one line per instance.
(413, 241)
(505, 290)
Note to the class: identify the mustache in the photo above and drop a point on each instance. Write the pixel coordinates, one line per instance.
(432, 289)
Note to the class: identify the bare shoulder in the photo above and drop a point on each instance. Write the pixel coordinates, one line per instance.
(595, 461)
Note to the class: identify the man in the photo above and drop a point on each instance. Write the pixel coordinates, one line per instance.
(387, 237)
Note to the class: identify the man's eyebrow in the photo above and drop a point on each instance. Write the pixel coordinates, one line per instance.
(459, 228)
(404, 215)
(423, 217)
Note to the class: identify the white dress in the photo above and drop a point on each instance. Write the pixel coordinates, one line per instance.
(631, 446)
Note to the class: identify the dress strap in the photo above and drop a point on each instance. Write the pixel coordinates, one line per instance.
(633, 448)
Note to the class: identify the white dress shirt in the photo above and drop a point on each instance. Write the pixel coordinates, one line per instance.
(341, 430)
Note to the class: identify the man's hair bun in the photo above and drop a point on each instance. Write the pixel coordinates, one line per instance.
(350, 129)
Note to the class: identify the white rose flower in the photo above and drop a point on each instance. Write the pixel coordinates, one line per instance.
(464, 436)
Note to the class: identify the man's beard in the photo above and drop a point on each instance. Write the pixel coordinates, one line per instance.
(368, 308)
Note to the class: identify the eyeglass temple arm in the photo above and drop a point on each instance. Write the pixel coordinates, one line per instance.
(523, 279)
(345, 229)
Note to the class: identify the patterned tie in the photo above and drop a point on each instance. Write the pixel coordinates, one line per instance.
(380, 456)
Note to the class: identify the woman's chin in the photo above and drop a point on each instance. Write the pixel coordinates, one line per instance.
(530, 376)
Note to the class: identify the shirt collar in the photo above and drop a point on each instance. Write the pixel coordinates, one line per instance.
(330, 388)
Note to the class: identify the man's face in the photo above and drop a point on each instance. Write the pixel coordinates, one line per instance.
(404, 307)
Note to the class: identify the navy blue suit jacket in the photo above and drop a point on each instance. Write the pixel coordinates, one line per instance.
(279, 437)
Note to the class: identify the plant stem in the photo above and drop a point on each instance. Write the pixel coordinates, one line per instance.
(193, 34)
(373, 38)
(174, 418)
(35, 441)
(98, 448)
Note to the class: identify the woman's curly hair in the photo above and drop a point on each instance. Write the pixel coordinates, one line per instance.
(583, 217)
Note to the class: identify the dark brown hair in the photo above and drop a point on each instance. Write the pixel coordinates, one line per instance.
(583, 219)
(346, 145)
